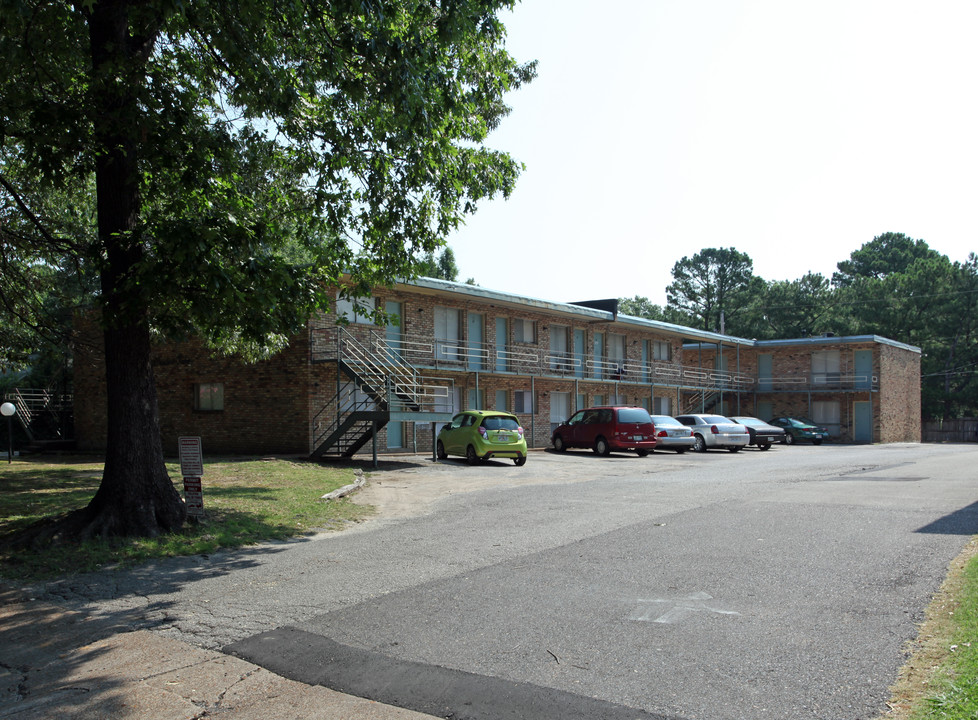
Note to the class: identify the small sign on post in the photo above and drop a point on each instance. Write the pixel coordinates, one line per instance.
(192, 469)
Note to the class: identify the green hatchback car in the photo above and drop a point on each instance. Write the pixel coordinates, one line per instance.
(478, 435)
(796, 429)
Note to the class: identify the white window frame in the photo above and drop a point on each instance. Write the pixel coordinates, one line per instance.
(522, 398)
(354, 308)
(661, 352)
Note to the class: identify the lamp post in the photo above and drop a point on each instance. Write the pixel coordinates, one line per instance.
(8, 410)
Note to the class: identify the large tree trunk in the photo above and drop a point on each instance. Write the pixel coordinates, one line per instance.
(136, 496)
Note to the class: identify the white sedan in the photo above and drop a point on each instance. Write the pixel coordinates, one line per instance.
(715, 431)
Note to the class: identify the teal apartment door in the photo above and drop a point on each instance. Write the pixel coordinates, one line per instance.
(862, 412)
(502, 339)
(476, 332)
(764, 372)
(392, 334)
(863, 360)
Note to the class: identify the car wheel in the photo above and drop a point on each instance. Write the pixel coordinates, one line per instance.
(520, 461)
(816, 442)
(734, 449)
(441, 451)
(699, 444)
(642, 453)
(601, 447)
(765, 446)
(471, 456)
(559, 444)
(789, 439)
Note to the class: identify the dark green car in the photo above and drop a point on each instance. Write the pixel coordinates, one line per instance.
(797, 429)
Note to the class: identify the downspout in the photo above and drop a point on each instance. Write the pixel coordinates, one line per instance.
(533, 408)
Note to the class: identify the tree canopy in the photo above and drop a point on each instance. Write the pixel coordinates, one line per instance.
(893, 286)
(217, 167)
(710, 284)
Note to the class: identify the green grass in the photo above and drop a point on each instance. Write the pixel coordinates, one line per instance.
(953, 690)
(245, 502)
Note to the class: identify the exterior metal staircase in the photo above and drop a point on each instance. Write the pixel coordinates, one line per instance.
(702, 401)
(45, 416)
(375, 386)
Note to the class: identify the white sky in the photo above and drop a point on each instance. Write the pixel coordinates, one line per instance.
(792, 131)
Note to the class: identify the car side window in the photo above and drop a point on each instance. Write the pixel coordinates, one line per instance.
(457, 421)
(591, 417)
(576, 418)
(604, 416)
(469, 420)
(685, 420)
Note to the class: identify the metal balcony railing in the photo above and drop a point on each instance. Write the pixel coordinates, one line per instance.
(449, 354)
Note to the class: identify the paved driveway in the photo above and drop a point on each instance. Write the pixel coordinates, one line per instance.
(749, 585)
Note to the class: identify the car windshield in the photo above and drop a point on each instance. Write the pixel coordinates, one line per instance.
(500, 422)
(634, 415)
(714, 419)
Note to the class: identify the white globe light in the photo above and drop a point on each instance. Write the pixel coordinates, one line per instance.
(7, 409)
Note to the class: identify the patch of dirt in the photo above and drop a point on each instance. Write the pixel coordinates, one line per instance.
(411, 485)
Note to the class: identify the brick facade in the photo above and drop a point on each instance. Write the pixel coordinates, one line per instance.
(588, 355)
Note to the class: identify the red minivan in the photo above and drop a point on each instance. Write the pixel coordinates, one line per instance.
(604, 429)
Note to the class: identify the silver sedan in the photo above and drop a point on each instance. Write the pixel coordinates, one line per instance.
(715, 431)
(670, 434)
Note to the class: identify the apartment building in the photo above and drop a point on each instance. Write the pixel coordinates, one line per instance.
(344, 388)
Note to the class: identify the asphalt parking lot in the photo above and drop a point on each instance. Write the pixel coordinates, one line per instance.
(762, 585)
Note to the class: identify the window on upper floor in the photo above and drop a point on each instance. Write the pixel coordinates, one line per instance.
(662, 351)
(826, 366)
(524, 331)
(356, 311)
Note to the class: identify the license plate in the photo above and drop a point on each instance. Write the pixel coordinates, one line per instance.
(817, 436)
(504, 438)
(638, 438)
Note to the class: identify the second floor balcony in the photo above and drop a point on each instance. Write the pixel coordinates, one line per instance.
(425, 352)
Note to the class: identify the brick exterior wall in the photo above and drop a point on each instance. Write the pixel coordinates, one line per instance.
(266, 404)
(898, 411)
(273, 406)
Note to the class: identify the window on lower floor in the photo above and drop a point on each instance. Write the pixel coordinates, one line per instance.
(523, 401)
(209, 396)
(828, 413)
